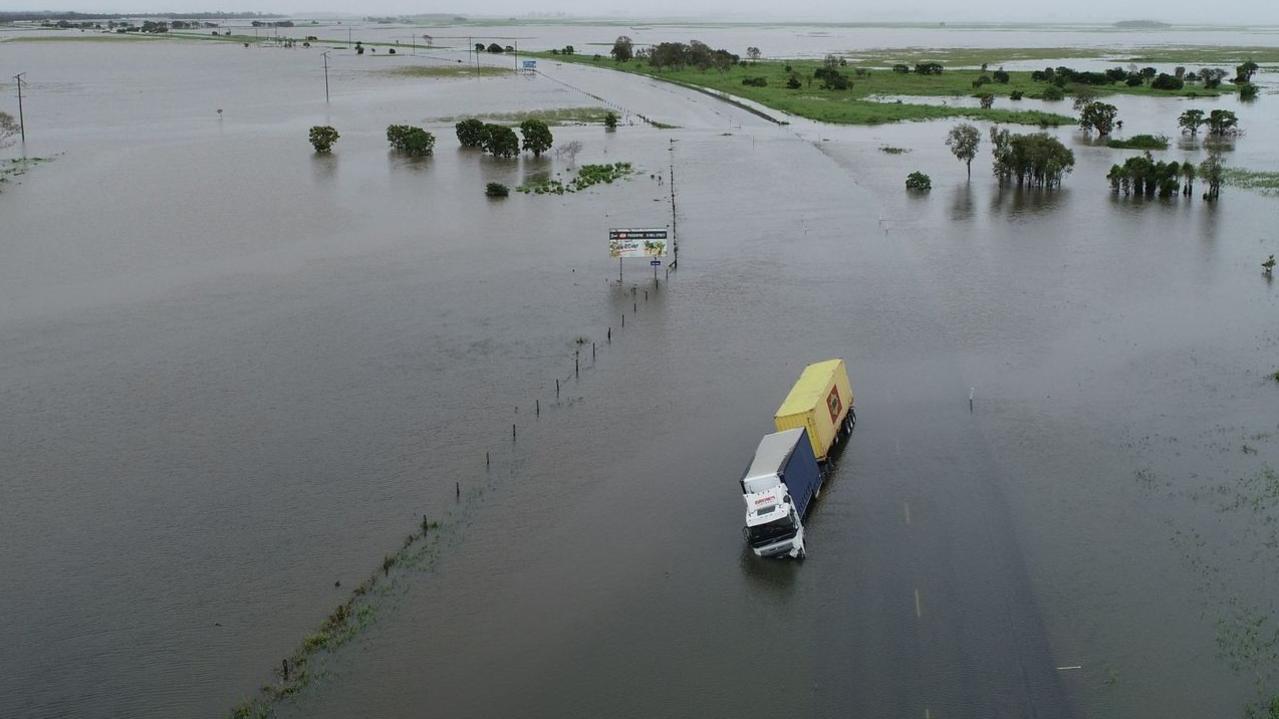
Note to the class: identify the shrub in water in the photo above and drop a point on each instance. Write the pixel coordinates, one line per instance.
(496, 189)
(322, 138)
(918, 181)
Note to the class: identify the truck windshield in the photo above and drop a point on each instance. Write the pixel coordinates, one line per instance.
(773, 531)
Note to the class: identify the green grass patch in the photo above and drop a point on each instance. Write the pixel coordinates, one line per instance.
(1265, 182)
(458, 70)
(552, 116)
(862, 105)
(1140, 142)
(587, 175)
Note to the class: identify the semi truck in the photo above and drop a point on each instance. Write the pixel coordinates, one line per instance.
(778, 487)
(786, 474)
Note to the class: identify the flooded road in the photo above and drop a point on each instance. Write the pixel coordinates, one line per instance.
(235, 374)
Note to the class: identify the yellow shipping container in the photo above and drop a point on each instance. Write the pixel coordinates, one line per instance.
(821, 402)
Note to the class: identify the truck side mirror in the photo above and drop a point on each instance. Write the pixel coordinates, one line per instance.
(786, 499)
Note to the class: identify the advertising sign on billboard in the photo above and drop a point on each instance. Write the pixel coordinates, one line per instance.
(637, 242)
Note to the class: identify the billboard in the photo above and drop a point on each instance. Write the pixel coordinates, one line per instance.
(637, 242)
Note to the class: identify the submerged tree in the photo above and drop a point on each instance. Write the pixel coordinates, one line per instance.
(500, 141)
(1190, 121)
(1222, 123)
(412, 141)
(323, 137)
(537, 136)
(1213, 171)
(569, 150)
(1188, 175)
(963, 141)
(1098, 116)
(1142, 175)
(470, 132)
(8, 128)
(1038, 159)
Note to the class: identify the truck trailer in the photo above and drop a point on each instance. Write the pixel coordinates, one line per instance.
(822, 403)
(778, 486)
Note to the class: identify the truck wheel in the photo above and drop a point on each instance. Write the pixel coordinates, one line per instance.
(802, 554)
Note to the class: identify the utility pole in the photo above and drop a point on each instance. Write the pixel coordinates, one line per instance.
(325, 55)
(22, 122)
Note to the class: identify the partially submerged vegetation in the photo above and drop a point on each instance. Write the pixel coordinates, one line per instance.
(1265, 182)
(552, 116)
(975, 57)
(1140, 142)
(587, 175)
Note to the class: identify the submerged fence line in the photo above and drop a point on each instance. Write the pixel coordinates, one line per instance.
(419, 548)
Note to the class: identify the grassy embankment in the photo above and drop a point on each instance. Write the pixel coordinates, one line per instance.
(858, 106)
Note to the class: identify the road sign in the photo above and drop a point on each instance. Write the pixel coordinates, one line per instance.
(529, 65)
(655, 263)
(637, 242)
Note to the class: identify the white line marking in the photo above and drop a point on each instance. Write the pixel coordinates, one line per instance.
(927, 714)
(906, 505)
(918, 613)
(1066, 669)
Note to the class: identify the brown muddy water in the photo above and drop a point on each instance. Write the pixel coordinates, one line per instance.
(233, 373)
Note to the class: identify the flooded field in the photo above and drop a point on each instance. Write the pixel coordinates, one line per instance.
(236, 374)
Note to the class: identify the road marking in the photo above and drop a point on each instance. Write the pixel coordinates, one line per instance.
(906, 505)
(1066, 669)
(918, 613)
(899, 447)
(927, 714)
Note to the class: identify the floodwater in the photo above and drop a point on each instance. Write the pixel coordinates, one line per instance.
(234, 373)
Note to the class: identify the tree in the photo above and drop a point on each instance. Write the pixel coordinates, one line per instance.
(1222, 123)
(569, 150)
(963, 141)
(1212, 76)
(610, 120)
(1248, 92)
(496, 189)
(928, 68)
(1038, 160)
(495, 48)
(987, 100)
(1083, 98)
(1098, 116)
(1167, 82)
(412, 141)
(1212, 171)
(1244, 72)
(753, 53)
(8, 128)
(1188, 176)
(919, 181)
(500, 141)
(793, 82)
(1052, 93)
(470, 133)
(537, 136)
(1001, 76)
(1190, 121)
(322, 138)
(479, 47)
(623, 49)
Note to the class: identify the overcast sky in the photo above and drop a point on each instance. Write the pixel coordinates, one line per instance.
(1076, 11)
